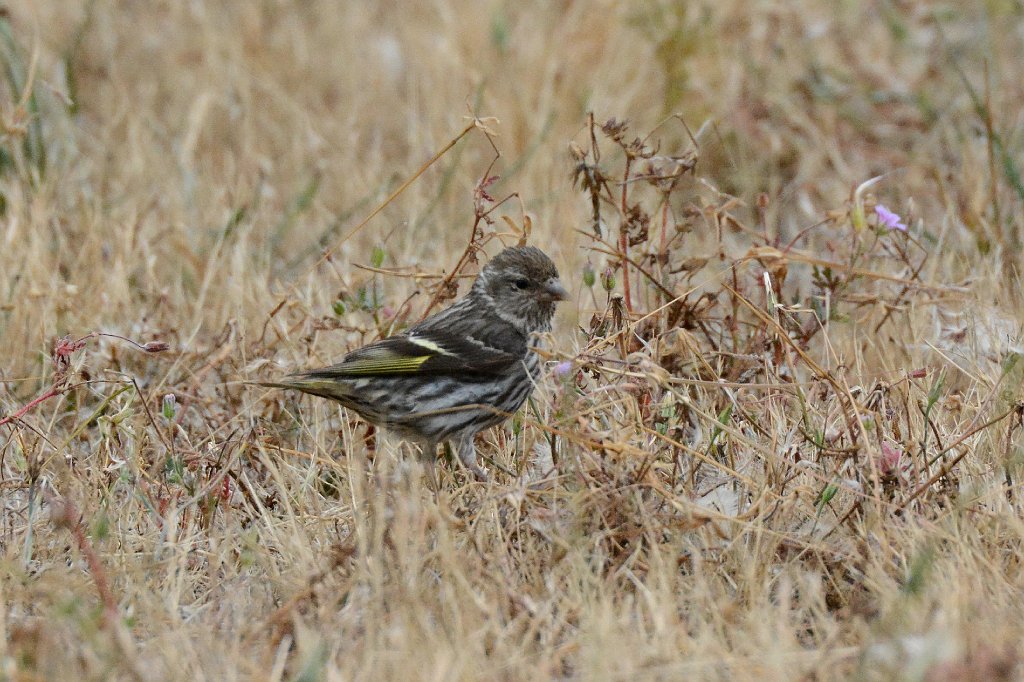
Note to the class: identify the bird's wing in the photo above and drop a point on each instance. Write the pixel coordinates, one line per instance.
(420, 352)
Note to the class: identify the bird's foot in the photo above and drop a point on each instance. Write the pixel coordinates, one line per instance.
(467, 455)
(478, 472)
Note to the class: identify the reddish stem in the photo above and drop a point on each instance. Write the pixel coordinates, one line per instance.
(61, 352)
(46, 396)
(624, 241)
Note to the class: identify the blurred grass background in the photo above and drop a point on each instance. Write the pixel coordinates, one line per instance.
(175, 171)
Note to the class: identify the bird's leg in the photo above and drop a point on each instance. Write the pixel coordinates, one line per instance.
(428, 456)
(467, 455)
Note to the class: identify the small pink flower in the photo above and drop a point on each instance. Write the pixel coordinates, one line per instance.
(888, 219)
(889, 464)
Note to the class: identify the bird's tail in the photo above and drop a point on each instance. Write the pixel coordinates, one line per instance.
(308, 383)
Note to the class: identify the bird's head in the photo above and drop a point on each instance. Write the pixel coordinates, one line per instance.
(521, 285)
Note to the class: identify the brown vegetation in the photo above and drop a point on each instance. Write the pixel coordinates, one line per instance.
(777, 438)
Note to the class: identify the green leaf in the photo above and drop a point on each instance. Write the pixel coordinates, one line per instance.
(826, 495)
(377, 257)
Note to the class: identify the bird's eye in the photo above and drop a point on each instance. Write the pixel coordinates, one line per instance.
(522, 284)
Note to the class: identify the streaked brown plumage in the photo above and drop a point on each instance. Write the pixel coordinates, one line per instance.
(457, 372)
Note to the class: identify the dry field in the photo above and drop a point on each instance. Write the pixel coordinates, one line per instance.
(778, 436)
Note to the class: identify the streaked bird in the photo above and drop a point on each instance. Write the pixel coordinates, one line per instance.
(457, 372)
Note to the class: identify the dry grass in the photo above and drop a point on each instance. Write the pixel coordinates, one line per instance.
(788, 446)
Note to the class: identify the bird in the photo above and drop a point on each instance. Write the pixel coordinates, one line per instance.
(457, 372)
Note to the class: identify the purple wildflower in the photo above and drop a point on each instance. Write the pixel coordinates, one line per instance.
(168, 406)
(608, 279)
(888, 219)
(563, 368)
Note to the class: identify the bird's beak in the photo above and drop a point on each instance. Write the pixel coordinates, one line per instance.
(554, 291)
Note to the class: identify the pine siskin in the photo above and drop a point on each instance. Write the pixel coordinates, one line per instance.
(458, 372)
